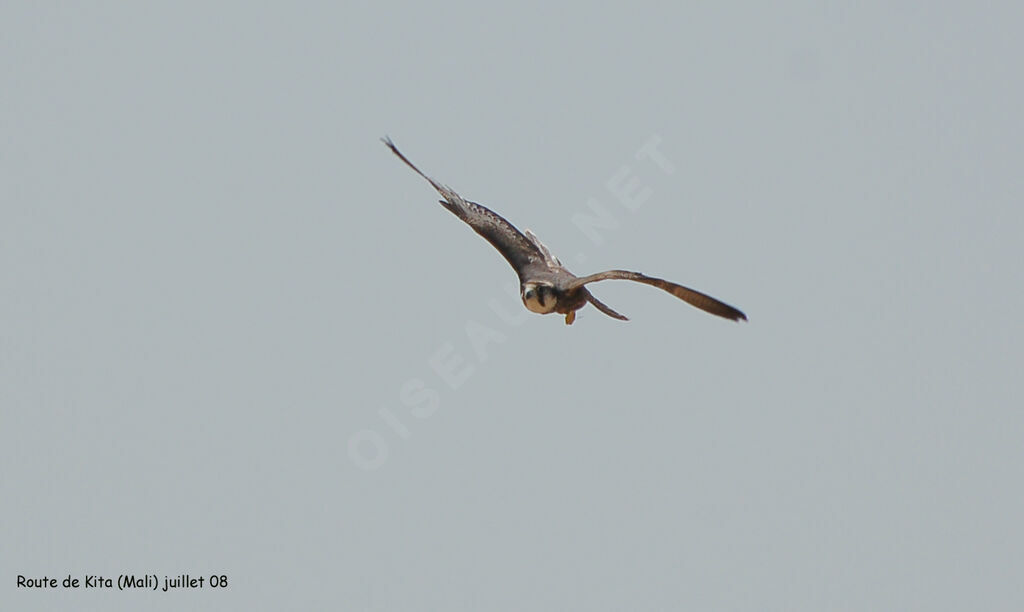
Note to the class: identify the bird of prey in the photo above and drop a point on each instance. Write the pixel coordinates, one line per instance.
(545, 285)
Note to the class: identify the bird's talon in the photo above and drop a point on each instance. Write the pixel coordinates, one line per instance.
(570, 317)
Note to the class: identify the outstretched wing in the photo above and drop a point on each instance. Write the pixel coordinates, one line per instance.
(549, 260)
(694, 298)
(510, 242)
(604, 308)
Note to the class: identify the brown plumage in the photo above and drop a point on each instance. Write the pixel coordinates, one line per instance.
(546, 286)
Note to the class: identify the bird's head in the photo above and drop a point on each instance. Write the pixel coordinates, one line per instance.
(539, 297)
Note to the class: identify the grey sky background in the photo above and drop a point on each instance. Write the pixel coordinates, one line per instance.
(214, 277)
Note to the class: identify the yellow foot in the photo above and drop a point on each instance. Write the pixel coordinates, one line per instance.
(570, 317)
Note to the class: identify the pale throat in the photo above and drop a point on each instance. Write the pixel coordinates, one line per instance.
(539, 299)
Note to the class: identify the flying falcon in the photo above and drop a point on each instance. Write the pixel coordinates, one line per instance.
(545, 285)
